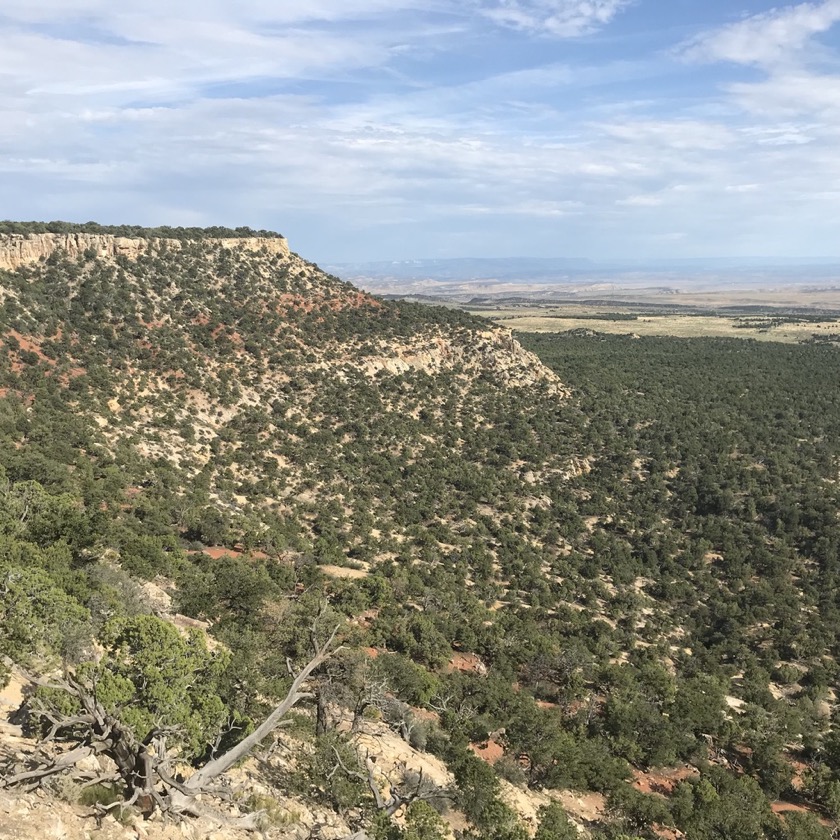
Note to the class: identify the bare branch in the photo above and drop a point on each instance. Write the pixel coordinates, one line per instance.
(296, 694)
(147, 775)
(68, 760)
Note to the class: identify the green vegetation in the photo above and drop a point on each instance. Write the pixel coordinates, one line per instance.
(643, 574)
(135, 231)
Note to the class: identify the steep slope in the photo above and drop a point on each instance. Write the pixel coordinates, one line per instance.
(237, 360)
(223, 391)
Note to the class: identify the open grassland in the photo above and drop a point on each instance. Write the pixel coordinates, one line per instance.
(774, 325)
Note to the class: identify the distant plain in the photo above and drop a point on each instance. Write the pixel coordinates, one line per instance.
(776, 324)
(790, 302)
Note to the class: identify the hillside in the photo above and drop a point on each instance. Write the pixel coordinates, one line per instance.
(239, 361)
(565, 586)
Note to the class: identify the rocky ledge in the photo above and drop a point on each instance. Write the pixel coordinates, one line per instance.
(17, 250)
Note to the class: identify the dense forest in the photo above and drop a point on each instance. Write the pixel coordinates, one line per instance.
(639, 555)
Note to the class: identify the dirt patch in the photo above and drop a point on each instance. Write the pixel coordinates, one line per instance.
(662, 782)
(466, 662)
(34, 816)
(217, 551)
(11, 696)
(344, 572)
(366, 618)
(787, 808)
(780, 808)
(394, 756)
(489, 751)
(589, 807)
(425, 714)
(185, 623)
(734, 703)
(667, 833)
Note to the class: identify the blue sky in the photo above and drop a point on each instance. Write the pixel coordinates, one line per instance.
(391, 129)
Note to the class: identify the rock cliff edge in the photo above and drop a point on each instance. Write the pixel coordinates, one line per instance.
(17, 249)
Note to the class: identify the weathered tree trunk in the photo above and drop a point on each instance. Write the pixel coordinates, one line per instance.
(213, 769)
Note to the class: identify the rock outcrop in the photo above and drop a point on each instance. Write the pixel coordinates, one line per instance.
(17, 249)
(493, 351)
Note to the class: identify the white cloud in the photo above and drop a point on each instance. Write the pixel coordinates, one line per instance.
(641, 201)
(797, 93)
(545, 208)
(675, 134)
(48, 70)
(559, 18)
(765, 39)
(164, 11)
(280, 115)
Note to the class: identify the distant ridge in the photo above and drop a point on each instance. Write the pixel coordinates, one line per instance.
(466, 268)
(562, 269)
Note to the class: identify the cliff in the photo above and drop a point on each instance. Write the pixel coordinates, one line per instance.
(492, 351)
(17, 250)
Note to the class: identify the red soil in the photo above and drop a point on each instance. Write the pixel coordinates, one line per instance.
(301, 303)
(425, 714)
(31, 344)
(468, 662)
(217, 551)
(780, 808)
(489, 751)
(662, 782)
(27, 344)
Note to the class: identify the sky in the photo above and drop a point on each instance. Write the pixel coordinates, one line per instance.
(400, 129)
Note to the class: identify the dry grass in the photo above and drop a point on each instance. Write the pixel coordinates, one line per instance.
(556, 319)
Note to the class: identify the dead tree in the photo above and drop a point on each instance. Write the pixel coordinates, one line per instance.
(413, 787)
(145, 768)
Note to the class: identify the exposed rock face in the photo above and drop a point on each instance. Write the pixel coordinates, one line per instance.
(17, 250)
(493, 350)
